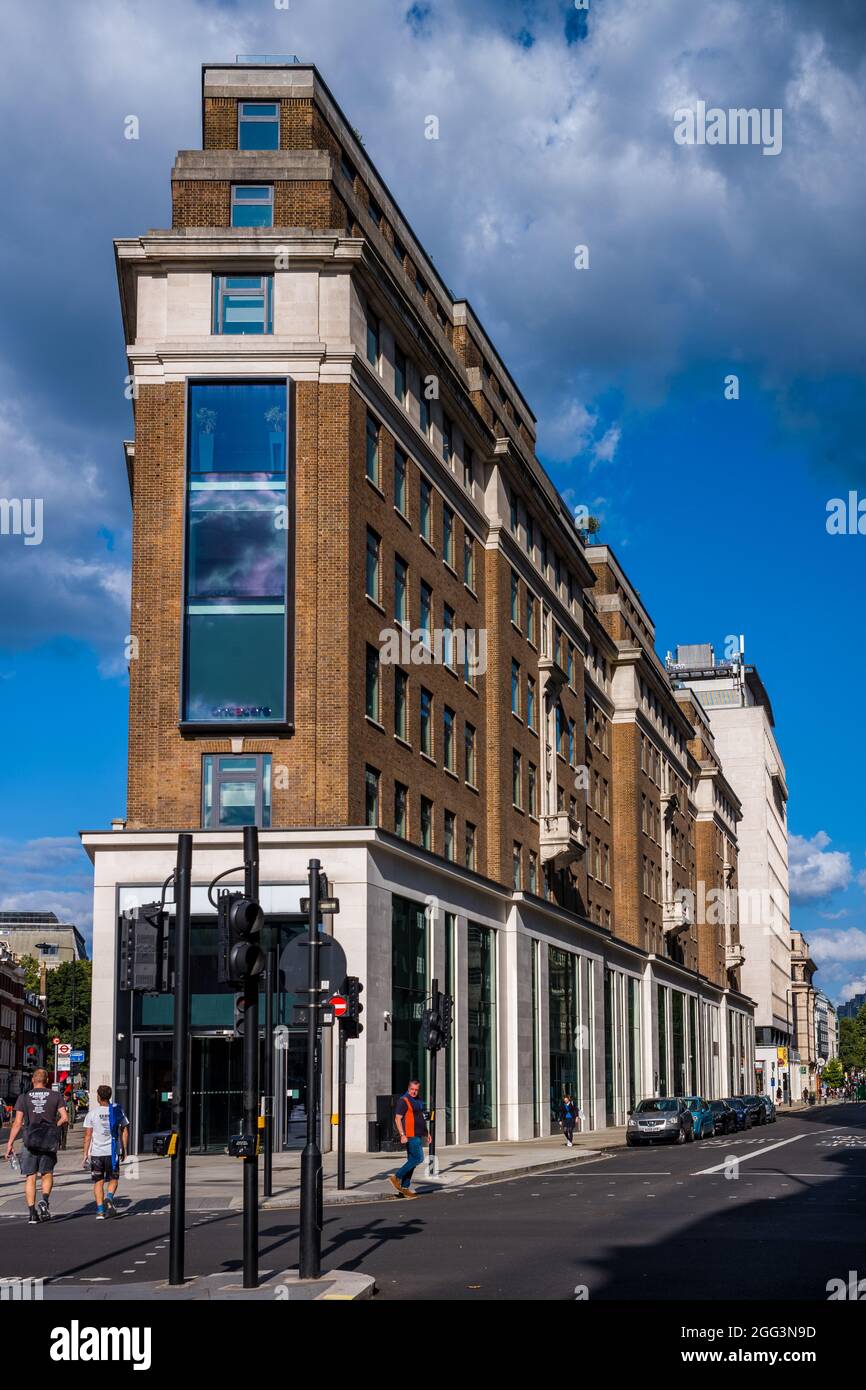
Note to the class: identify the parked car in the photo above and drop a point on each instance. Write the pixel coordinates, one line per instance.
(727, 1120)
(770, 1108)
(756, 1109)
(741, 1110)
(663, 1118)
(703, 1119)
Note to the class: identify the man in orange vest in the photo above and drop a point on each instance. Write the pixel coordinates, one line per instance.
(412, 1128)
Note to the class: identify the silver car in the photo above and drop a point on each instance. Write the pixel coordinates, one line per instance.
(663, 1119)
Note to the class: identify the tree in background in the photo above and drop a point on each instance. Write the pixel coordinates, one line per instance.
(30, 965)
(60, 1001)
(833, 1075)
(852, 1041)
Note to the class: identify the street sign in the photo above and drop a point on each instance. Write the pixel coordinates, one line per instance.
(64, 1050)
(55, 1042)
(295, 963)
(325, 905)
(76, 1056)
(339, 1004)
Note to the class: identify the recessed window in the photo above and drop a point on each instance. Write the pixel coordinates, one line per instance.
(401, 804)
(468, 561)
(400, 375)
(236, 791)
(471, 656)
(400, 480)
(426, 722)
(533, 871)
(372, 462)
(373, 347)
(243, 304)
(530, 702)
(371, 684)
(530, 618)
(515, 866)
(426, 419)
(258, 125)
(371, 796)
(375, 212)
(427, 611)
(426, 823)
(252, 205)
(447, 439)
(515, 599)
(450, 834)
(532, 789)
(469, 741)
(515, 687)
(448, 643)
(468, 468)
(426, 513)
(470, 845)
(448, 738)
(448, 536)
(401, 703)
(401, 590)
(235, 652)
(517, 779)
(372, 577)
(513, 509)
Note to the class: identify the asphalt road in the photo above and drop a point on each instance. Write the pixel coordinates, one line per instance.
(770, 1214)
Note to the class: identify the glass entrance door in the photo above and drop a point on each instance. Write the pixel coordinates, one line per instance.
(216, 1092)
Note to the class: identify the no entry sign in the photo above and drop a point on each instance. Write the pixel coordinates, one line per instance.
(339, 1004)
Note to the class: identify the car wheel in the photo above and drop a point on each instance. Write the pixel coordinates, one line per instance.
(629, 1141)
(681, 1135)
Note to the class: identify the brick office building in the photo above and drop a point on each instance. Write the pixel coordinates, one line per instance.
(364, 619)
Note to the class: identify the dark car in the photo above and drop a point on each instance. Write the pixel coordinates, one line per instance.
(741, 1110)
(726, 1118)
(770, 1108)
(663, 1118)
(757, 1109)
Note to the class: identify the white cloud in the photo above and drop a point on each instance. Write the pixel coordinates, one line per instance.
(830, 947)
(852, 988)
(814, 870)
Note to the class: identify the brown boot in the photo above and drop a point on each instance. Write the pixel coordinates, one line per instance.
(395, 1183)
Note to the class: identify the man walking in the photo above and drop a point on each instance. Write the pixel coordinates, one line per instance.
(106, 1138)
(412, 1129)
(41, 1114)
(570, 1117)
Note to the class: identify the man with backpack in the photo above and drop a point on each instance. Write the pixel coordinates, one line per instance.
(411, 1123)
(106, 1137)
(41, 1114)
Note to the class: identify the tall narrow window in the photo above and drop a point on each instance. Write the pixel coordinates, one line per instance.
(252, 204)
(426, 511)
(450, 834)
(533, 871)
(447, 439)
(373, 449)
(401, 703)
(236, 791)
(448, 635)
(468, 561)
(243, 304)
(374, 546)
(530, 618)
(400, 481)
(516, 874)
(448, 536)
(424, 406)
(371, 796)
(371, 683)
(517, 779)
(530, 702)
(468, 462)
(532, 791)
(401, 802)
(469, 743)
(373, 348)
(426, 722)
(401, 587)
(448, 738)
(426, 823)
(400, 375)
(515, 687)
(258, 125)
(515, 599)
(235, 651)
(470, 845)
(427, 611)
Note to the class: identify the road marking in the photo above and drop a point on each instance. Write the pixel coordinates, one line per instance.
(758, 1153)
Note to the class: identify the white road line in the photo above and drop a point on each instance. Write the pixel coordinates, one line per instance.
(759, 1153)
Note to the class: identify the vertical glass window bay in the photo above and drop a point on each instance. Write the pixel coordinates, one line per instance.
(252, 205)
(235, 659)
(243, 304)
(258, 125)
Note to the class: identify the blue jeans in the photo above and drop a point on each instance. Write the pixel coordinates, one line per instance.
(414, 1156)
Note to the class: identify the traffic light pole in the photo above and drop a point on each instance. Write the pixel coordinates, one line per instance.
(251, 1077)
(434, 1068)
(341, 1105)
(270, 981)
(310, 1262)
(180, 1057)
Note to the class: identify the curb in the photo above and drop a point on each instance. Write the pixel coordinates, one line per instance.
(340, 1285)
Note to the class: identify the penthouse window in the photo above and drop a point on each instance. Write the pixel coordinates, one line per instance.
(373, 340)
(236, 639)
(258, 125)
(447, 439)
(236, 791)
(243, 304)
(252, 205)
(400, 375)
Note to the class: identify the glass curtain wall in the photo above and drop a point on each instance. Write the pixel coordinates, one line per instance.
(409, 987)
(481, 1026)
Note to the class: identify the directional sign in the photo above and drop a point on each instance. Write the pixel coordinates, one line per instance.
(64, 1050)
(295, 963)
(339, 1004)
(325, 904)
(76, 1056)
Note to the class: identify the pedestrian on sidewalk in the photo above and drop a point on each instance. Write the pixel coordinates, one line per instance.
(106, 1138)
(569, 1115)
(40, 1116)
(411, 1125)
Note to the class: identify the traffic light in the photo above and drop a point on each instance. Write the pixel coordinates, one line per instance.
(144, 949)
(446, 1014)
(239, 921)
(431, 1037)
(238, 1021)
(351, 1021)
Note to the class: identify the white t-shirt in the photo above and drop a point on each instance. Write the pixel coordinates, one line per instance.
(97, 1120)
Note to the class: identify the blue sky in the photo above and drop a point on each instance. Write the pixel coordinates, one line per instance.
(556, 129)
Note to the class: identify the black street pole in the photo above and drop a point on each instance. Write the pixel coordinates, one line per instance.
(72, 1049)
(270, 979)
(341, 1106)
(434, 1067)
(310, 1262)
(251, 1077)
(180, 1056)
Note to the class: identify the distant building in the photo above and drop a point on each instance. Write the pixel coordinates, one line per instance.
(804, 1049)
(852, 1008)
(43, 936)
(23, 1028)
(826, 1027)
